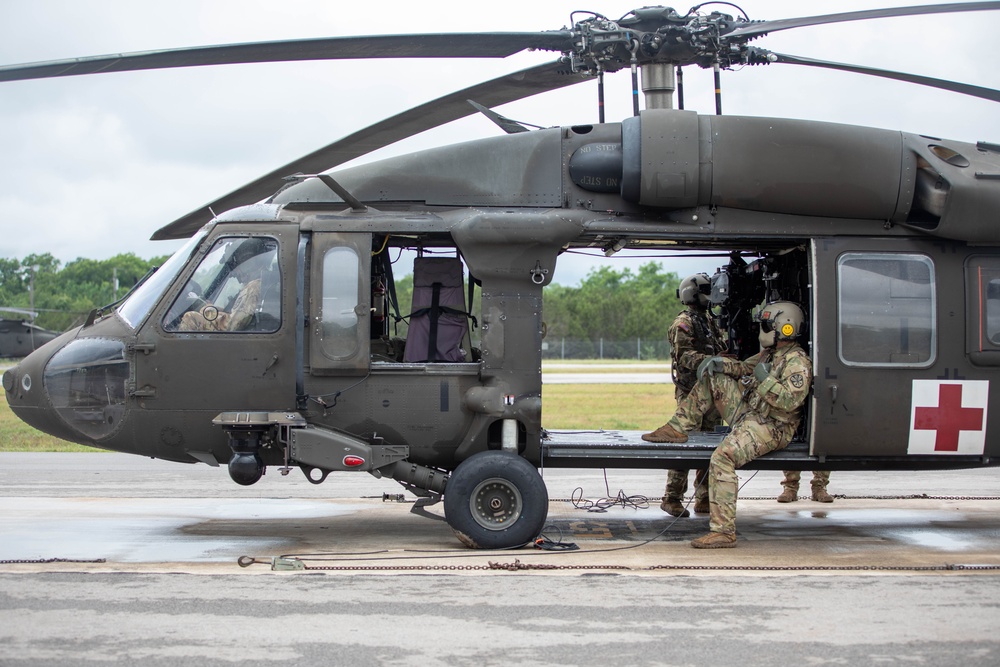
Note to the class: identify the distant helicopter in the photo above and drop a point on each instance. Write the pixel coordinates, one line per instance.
(266, 340)
(19, 336)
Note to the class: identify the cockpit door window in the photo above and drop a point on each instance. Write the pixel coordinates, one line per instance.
(236, 288)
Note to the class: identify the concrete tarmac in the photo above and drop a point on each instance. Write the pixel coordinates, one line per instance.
(569, 373)
(911, 579)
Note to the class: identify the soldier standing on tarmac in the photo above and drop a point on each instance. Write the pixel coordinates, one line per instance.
(820, 480)
(694, 336)
(761, 398)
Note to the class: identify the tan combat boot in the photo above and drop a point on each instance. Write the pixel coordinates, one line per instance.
(821, 496)
(674, 508)
(702, 506)
(715, 541)
(788, 495)
(665, 433)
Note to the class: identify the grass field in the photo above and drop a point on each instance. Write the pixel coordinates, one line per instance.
(16, 436)
(631, 407)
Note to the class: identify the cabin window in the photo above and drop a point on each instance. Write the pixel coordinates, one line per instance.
(991, 299)
(338, 316)
(987, 285)
(886, 306)
(982, 285)
(236, 288)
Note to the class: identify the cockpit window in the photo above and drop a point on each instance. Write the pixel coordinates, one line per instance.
(236, 288)
(137, 306)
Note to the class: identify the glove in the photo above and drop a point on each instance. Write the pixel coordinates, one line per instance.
(711, 366)
(762, 371)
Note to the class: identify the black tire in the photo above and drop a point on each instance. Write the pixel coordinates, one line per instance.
(496, 500)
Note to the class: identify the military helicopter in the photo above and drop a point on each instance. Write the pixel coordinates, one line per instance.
(266, 340)
(19, 335)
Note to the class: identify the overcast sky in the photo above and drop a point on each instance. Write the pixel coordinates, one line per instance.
(92, 166)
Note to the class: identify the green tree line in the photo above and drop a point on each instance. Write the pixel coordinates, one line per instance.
(613, 304)
(64, 294)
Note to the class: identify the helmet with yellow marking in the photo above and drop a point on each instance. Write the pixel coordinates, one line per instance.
(781, 320)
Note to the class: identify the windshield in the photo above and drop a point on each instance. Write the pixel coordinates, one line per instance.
(137, 306)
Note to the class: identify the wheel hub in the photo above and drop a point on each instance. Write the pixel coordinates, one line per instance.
(495, 504)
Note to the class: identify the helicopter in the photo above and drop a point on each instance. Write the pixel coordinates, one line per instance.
(266, 339)
(19, 335)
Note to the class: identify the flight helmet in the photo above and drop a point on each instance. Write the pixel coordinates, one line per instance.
(694, 290)
(781, 320)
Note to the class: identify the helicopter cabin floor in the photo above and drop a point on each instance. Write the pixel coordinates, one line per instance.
(627, 449)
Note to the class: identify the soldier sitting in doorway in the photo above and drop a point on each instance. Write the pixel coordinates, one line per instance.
(761, 398)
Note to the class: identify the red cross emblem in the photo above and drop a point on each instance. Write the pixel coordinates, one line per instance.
(948, 417)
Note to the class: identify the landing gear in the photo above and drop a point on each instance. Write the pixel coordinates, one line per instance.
(496, 500)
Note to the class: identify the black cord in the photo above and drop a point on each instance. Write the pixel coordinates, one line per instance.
(336, 394)
(547, 544)
(638, 502)
(716, 2)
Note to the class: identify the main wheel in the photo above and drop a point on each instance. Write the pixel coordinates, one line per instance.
(495, 500)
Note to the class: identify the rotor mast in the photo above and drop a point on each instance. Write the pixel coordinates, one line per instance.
(658, 84)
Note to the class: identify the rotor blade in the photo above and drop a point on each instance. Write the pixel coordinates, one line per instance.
(754, 29)
(943, 84)
(504, 89)
(454, 45)
(506, 124)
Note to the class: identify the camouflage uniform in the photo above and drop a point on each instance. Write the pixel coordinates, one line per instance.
(820, 479)
(209, 318)
(763, 417)
(693, 337)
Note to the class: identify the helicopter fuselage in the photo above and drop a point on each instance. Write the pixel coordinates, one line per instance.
(888, 240)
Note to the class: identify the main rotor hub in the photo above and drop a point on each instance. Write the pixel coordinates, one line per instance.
(658, 35)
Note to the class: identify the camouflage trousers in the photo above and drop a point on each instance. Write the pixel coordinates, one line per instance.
(677, 485)
(750, 437)
(819, 480)
(677, 480)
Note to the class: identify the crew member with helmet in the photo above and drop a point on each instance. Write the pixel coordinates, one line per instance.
(694, 336)
(760, 397)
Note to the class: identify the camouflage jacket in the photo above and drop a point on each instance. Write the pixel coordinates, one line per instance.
(693, 337)
(781, 395)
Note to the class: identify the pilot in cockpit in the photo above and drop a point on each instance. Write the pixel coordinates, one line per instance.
(237, 302)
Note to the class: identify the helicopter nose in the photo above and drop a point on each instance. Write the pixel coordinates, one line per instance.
(23, 387)
(22, 384)
(76, 392)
